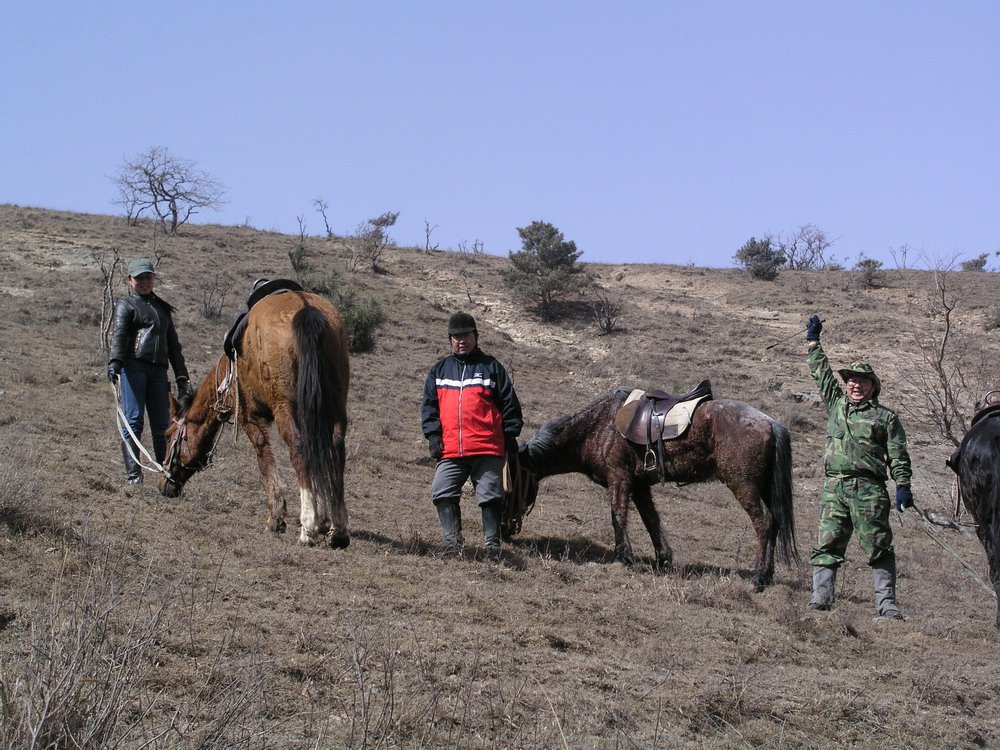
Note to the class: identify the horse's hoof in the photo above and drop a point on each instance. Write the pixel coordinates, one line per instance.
(276, 527)
(663, 564)
(339, 540)
(307, 539)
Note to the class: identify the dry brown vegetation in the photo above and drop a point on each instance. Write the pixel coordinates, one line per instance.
(129, 620)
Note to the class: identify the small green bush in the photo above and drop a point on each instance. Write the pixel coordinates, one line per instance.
(761, 258)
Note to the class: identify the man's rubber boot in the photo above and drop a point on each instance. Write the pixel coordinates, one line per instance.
(450, 516)
(884, 578)
(824, 584)
(491, 525)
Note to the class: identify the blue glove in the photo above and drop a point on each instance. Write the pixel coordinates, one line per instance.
(904, 498)
(813, 327)
(114, 370)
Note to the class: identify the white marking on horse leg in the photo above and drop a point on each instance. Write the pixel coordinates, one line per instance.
(307, 517)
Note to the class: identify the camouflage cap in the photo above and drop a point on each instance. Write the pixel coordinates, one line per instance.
(862, 370)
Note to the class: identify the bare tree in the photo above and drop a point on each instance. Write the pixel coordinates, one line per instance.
(428, 230)
(949, 372)
(806, 249)
(322, 206)
(170, 188)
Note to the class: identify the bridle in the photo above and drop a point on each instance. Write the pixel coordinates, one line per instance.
(226, 400)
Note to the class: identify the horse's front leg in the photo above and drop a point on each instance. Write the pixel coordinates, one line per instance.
(643, 499)
(257, 431)
(618, 495)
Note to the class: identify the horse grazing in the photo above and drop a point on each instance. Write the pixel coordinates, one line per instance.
(977, 464)
(727, 440)
(294, 372)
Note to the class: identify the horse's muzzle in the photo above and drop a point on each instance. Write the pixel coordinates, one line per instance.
(170, 488)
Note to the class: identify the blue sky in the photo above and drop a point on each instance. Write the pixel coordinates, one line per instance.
(653, 132)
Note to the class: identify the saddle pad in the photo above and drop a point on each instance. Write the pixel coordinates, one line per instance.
(678, 419)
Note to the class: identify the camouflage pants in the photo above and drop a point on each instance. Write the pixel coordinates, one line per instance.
(853, 504)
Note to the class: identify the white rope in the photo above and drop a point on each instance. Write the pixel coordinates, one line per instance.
(968, 568)
(121, 422)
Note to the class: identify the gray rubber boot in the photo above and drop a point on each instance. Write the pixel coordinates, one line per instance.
(884, 578)
(132, 469)
(824, 585)
(491, 525)
(450, 516)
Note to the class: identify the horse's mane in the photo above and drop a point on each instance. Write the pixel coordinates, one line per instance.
(542, 446)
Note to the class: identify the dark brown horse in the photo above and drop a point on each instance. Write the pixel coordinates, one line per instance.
(293, 372)
(727, 440)
(977, 463)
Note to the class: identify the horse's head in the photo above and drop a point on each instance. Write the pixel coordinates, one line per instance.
(178, 466)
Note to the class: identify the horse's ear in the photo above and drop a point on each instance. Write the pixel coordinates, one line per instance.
(175, 406)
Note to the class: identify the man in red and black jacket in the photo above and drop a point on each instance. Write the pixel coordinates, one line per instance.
(471, 418)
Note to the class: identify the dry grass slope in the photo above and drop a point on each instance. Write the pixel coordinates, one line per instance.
(128, 620)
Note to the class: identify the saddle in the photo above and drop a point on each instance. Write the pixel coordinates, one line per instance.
(259, 290)
(649, 417)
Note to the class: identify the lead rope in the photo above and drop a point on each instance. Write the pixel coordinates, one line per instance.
(121, 422)
(922, 515)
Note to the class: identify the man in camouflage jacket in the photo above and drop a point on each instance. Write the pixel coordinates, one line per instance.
(865, 442)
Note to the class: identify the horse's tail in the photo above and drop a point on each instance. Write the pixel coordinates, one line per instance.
(318, 407)
(779, 498)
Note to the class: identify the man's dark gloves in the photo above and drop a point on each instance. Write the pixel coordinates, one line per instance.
(183, 387)
(813, 327)
(114, 370)
(435, 445)
(904, 498)
(510, 444)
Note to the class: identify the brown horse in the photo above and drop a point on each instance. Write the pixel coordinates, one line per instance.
(727, 440)
(977, 464)
(294, 372)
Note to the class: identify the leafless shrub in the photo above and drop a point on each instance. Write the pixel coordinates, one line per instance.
(471, 253)
(299, 254)
(606, 311)
(19, 486)
(85, 679)
(111, 264)
(369, 241)
(213, 295)
(992, 319)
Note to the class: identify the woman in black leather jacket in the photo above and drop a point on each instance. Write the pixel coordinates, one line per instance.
(143, 343)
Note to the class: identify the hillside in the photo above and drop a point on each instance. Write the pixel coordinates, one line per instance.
(219, 634)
